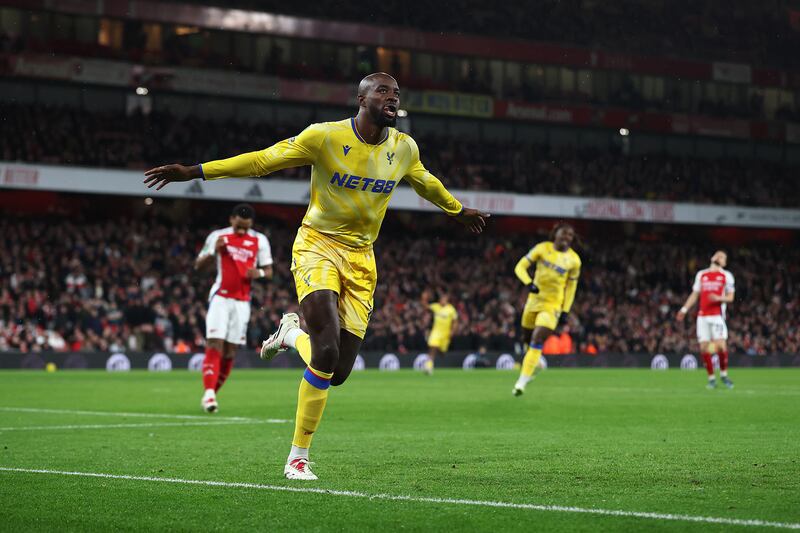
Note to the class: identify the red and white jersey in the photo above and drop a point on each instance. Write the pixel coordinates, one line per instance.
(241, 253)
(712, 281)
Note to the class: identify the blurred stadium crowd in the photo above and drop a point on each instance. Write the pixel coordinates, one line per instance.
(129, 285)
(74, 137)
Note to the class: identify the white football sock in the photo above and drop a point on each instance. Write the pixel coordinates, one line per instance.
(291, 337)
(298, 452)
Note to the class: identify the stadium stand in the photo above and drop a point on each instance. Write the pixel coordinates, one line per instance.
(752, 35)
(74, 137)
(84, 286)
(760, 33)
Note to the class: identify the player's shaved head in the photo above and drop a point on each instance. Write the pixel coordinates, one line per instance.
(372, 80)
(379, 99)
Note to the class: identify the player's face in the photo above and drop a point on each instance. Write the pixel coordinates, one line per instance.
(241, 225)
(720, 259)
(382, 101)
(564, 238)
(444, 299)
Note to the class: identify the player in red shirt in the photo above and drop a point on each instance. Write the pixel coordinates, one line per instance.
(714, 287)
(240, 255)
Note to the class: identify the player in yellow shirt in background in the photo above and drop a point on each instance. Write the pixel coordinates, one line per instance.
(552, 291)
(356, 165)
(445, 318)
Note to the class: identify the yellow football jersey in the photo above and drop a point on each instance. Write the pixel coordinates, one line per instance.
(443, 318)
(553, 270)
(351, 180)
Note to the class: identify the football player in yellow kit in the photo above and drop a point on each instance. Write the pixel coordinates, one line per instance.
(356, 165)
(445, 318)
(552, 291)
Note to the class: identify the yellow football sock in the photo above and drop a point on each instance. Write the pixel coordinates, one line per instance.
(429, 363)
(310, 404)
(532, 357)
(303, 346)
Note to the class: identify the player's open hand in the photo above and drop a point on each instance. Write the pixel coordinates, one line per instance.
(473, 219)
(159, 177)
(681, 315)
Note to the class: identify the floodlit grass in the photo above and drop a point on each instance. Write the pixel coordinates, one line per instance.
(630, 440)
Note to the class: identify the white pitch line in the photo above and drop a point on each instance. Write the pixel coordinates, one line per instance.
(423, 499)
(127, 415)
(153, 425)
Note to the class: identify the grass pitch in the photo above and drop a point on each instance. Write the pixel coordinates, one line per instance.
(626, 440)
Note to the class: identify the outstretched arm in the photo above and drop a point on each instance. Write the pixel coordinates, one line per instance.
(429, 187)
(294, 152)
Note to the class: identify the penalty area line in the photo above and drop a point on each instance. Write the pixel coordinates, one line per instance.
(423, 499)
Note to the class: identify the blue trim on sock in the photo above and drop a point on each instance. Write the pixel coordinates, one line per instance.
(315, 380)
(537, 346)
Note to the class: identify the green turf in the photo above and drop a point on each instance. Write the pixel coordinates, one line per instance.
(632, 440)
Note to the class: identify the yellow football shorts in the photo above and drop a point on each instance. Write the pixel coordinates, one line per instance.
(439, 339)
(319, 262)
(540, 313)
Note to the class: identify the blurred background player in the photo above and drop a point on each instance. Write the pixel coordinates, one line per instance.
(552, 291)
(241, 255)
(356, 164)
(445, 318)
(714, 288)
